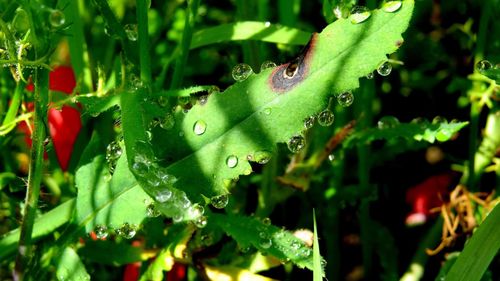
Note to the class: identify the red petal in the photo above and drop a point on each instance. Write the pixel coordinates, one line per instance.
(64, 126)
(62, 79)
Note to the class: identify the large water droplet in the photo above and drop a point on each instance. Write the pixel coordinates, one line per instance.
(127, 231)
(345, 99)
(262, 157)
(483, 65)
(265, 243)
(56, 18)
(384, 69)
(325, 118)
(309, 122)
(101, 231)
(387, 122)
(391, 6)
(219, 202)
(167, 122)
(241, 72)
(163, 195)
(296, 143)
(231, 161)
(113, 153)
(359, 14)
(266, 65)
(201, 222)
(199, 127)
(131, 31)
(151, 211)
(197, 210)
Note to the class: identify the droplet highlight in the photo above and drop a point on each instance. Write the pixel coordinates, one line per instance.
(391, 6)
(232, 161)
(359, 14)
(101, 232)
(127, 231)
(241, 72)
(384, 69)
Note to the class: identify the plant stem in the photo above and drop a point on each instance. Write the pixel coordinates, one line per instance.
(15, 103)
(192, 11)
(41, 78)
(142, 28)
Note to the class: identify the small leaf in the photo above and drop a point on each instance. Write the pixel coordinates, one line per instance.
(267, 238)
(318, 272)
(70, 267)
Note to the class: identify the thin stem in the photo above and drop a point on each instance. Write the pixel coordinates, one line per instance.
(192, 11)
(142, 28)
(25, 249)
(14, 104)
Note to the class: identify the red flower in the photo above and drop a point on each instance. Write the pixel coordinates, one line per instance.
(425, 196)
(64, 123)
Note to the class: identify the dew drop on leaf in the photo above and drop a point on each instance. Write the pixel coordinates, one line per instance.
(262, 157)
(167, 122)
(241, 72)
(266, 65)
(131, 31)
(266, 221)
(345, 99)
(163, 195)
(391, 6)
(140, 167)
(369, 75)
(384, 69)
(113, 153)
(56, 18)
(199, 127)
(232, 161)
(387, 122)
(295, 245)
(265, 243)
(151, 211)
(337, 11)
(101, 231)
(127, 231)
(197, 210)
(331, 157)
(309, 122)
(177, 217)
(483, 65)
(325, 118)
(439, 120)
(296, 143)
(203, 99)
(266, 111)
(220, 201)
(201, 222)
(359, 14)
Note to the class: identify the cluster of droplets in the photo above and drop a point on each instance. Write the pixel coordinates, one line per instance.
(126, 230)
(113, 153)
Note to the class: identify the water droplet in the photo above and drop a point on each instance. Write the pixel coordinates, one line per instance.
(206, 240)
(219, 202)
(127, 231)
(263, 235)
(163, 195)
(231, 161)
(201, 222)
(323, 263)
(140, 168)
(162, 101)
(199, 127)
(203, 99)
(151, 211)
(131, 31)
(337, 11)
(197, 210)
(359, 14)
(266, 111)
(56, 18)
(309, 122)
(113, 153)
(266, 221)
(370, 75)
(262, 157)
(345, 99)
(384, 69)
(483, 65)
(265, 243)
(439, 120)
(325, 118)
(167, 122)
(101, 231)
(387, 122)
(331, 157)
(305, 252)
(177, 217)
(266, 65)
(391, 6)
(295, 245)
(296, 143)
(241, 72)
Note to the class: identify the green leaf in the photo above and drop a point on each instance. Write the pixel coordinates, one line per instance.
(318, 270)
(116, 253)
(423, 131)
(493, 73)
(249, 30)
(249, 118)
(479, 250)
(44, 225)
(266, 238)
(70, 267)
(105, 200)
(6, 178)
